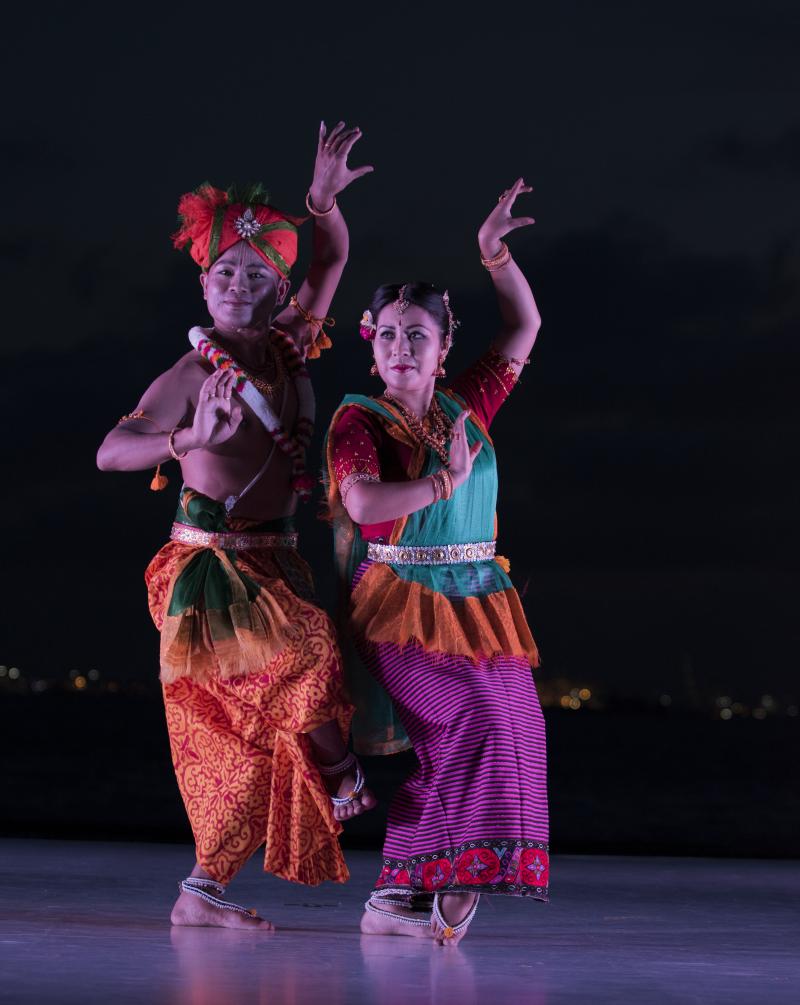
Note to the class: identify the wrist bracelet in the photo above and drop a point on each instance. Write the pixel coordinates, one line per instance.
(171, 445)
(318, 212)
(499, 260)
(442, 482)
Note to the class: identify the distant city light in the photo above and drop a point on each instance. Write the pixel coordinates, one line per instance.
(574, 703)
(767, 700)
(565, 700)
(80, 682)
(3, 671)
(725, 713)
(725, 701)
(13, 673)
(584, 694)
(73, 674)
(759, 713)
(93, 675)
(665, 700)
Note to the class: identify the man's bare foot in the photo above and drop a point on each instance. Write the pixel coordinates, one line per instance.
(453, 909)
(361, 803)
(395, 920)
(344, 782)
(192, 910)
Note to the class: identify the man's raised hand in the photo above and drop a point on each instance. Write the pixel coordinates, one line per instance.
(331, 172)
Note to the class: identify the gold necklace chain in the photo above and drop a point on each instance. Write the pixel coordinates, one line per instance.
(440, 425)
(265, 387)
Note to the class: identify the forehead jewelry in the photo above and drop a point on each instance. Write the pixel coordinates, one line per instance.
(401, 303)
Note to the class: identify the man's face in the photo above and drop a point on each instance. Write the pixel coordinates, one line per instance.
(241, 290)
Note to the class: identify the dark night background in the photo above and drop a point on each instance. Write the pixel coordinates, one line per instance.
(649, 485)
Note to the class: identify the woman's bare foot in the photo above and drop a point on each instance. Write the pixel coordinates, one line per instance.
(395, 921)
(192, 910)
(454, 908)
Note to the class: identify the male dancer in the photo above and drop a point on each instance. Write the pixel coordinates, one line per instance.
(250, 667)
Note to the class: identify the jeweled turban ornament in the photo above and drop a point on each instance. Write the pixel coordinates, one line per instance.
(212, 220)
(246, 225)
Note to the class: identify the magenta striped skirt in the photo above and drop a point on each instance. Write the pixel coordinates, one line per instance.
(473, 816)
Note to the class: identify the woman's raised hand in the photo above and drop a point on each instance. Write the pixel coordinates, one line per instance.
(217, 416)
(500, 221)
(331, 173)
(462, 455)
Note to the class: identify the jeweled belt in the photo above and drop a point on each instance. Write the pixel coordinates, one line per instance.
(230, 540)
(443, 554)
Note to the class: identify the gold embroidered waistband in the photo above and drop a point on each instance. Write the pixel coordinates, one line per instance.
(443, 554)
(230, 540)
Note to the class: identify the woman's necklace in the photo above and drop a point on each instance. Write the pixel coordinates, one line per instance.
(440, 426)
(265, 387)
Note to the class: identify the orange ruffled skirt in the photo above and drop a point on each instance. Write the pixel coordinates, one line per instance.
(242, 758)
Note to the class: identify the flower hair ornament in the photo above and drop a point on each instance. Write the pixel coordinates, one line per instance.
(367, 327)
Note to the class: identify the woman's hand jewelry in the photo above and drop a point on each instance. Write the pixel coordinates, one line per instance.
(494, 252)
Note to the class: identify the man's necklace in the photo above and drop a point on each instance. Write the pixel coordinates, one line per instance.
(265, 387)
(439, 425)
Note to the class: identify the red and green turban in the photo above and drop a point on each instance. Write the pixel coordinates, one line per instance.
(211, 221)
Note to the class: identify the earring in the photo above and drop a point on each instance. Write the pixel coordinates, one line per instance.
(373, 370)
(440, 371)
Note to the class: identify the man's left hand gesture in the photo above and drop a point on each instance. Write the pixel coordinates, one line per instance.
(331, 173)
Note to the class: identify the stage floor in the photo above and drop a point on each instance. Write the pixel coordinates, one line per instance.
(88, 923)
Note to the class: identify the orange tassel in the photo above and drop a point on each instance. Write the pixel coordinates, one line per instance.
(322, 341)
(159, 481)
(503, 562)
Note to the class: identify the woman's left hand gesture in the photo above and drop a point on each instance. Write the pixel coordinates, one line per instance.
(500, 221)
(331, 173)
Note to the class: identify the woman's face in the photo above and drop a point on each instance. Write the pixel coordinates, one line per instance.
(407, 348)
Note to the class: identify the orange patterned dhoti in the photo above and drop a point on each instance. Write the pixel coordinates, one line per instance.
(242, 758)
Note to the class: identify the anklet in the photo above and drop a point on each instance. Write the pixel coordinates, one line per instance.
(193, 885)
(421, 922)
(359, 785)
(451, 930)
(201, 881)
(337, 769)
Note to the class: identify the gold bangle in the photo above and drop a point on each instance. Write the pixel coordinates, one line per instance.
(318, 212)
(499, 260)
(448, 480)
(171, 445)
(437, 487)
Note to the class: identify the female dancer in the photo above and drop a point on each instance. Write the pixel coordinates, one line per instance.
(436, 622)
